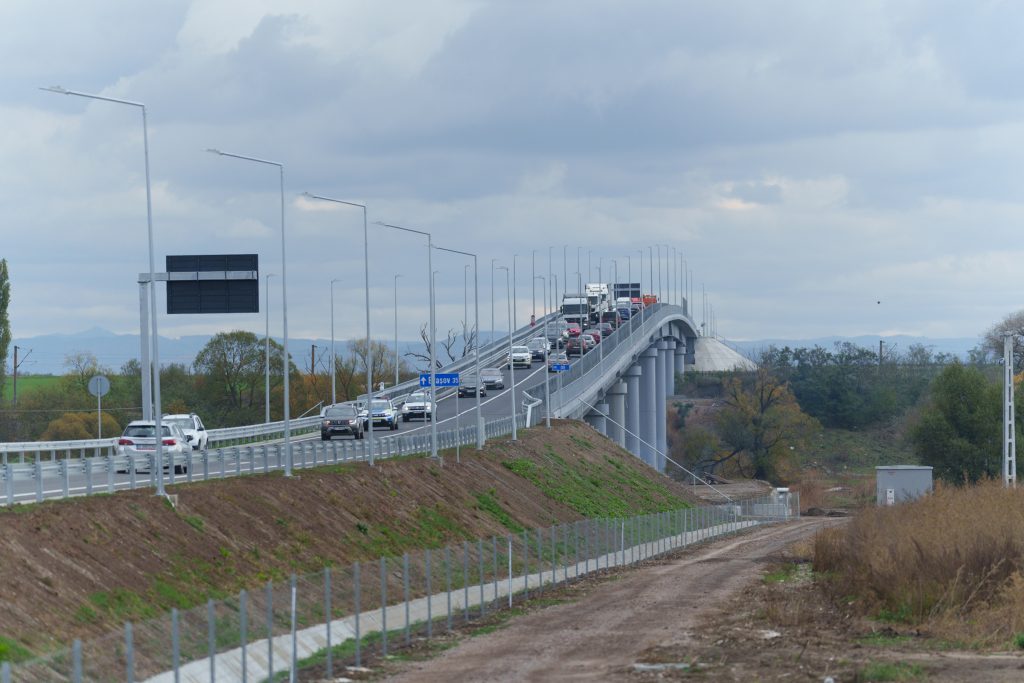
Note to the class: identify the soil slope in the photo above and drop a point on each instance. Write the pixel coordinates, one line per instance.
(80, 568)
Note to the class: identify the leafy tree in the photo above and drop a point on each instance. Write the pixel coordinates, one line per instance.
(759, 424)
(5, 321)
(959, 432)
(231, 375)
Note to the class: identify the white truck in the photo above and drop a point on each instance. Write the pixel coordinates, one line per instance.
(576, 309)
(598, 298)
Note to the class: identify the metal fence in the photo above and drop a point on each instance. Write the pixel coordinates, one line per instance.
(83, 476)
(349, 615)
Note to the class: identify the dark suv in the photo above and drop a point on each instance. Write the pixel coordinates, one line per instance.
(341, 420)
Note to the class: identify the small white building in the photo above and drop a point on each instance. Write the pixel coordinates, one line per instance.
(900, 483)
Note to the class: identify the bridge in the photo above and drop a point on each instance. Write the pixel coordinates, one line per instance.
(620, 388)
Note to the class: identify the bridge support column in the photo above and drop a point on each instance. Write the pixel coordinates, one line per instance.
(633, 409)
(670, 367)
(691, 350)
(680, 355)
(596, 417)
(616, 398)
(648, 406)
(661, 424)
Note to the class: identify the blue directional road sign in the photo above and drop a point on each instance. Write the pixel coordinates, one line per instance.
(442, 379)
(560, 367)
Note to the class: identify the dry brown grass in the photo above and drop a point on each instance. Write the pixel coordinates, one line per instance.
(950, 561)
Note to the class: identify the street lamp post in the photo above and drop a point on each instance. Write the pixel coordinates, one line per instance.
(433, 331)
(396, 329)
(157, 408)
(476, 324)
(366, 283)
(266, 398)
(547, 390)
(491, 337)
(284, 306)
(511, 365)
(533, 283)
(334, 395)
(514, 324)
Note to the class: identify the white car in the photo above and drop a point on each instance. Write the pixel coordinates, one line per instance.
(521, 356)
(139, 440)
(192, 426)
(384, 414)
(418, 405)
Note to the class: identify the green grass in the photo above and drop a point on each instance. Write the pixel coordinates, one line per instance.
(486, 502)
(608, 489)
(890, 671)
(28, 384)
(195, 521)
(10, 651)
(852, 449)
(783, 573)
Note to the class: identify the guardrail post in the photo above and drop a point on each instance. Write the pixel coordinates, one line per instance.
(64, 467)
(251, 451)
(238, 461)
(9, 482)
(222, 459)
(39, 480)
(206, 465)
(87, 469)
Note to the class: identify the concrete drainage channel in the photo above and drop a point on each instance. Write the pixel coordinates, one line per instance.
(376, 606)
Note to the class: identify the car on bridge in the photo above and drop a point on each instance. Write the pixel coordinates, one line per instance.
(539, 347)
(520, 357)
(557, 358)
(605, 329)
(469, 385)
(492, 378)
(341, 419)
(384, 414)
(595, 333)
(577, 346)
(418, 404)
(139, 439)
(193, 428)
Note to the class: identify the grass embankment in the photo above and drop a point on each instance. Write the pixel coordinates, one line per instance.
(951, 564)
(132, 557)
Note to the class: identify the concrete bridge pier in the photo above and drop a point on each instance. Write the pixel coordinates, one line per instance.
(616, 398)
(660, 407)
(596, 417)
(691, 347)
(680, 354)
(670, 367)
(632, 376)
(649, 405)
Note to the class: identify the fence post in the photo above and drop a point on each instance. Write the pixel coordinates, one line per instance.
(465, 581)
(526, 565)
(509, 572)
(355, 578)
(448, 582)
(480, 558)
(295, 641)
(430, 616)
(328, 617)
(5, 672)
(554, 558)
(494, 545)
(384, 605)
(129, 653)
(540, 560)
(76, 661)
(270, 630)
(405, 587)
(175, 644)
(243, 630)
(211, 634)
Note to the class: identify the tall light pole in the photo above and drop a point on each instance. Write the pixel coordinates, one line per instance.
(433, 331)
(465, 300)
(511, 365)
(650, 266)
(547, 391)
(491, 337)
(396, 329)
(476, 324)
(515, 323)
(334, 396)
(157, 408)
(266, 398)
(641, 275)
(533, 283)
(366, 284)
(661, 292)
(284, 306)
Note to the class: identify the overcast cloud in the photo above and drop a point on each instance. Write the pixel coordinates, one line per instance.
(810, 159)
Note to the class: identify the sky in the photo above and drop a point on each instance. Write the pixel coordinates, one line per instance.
(824, 168)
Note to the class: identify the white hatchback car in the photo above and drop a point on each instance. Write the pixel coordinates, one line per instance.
(138, 440)
(192, 426)
(520, 357)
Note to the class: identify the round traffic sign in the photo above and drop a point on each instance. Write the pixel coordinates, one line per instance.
(99, 386)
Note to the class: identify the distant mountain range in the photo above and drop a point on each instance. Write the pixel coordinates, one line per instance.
(47, 353)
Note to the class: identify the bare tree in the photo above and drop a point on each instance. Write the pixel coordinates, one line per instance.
(1014, 324)
(453, 347)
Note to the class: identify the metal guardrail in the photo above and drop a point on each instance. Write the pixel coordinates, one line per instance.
(63, 478)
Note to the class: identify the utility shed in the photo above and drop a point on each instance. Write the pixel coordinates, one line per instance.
(900, 483)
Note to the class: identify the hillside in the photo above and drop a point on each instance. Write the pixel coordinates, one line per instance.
(82, 567)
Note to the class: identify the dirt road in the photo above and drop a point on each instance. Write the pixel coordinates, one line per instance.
(604, 634)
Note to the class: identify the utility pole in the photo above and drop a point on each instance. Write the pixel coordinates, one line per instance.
(881, 343)
(17, 364)
(1009, 428)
